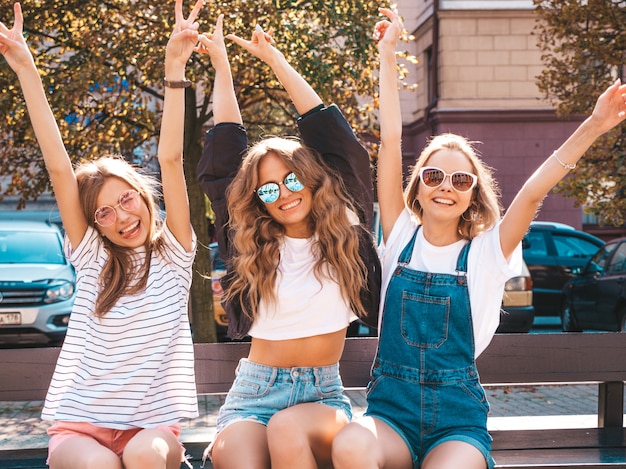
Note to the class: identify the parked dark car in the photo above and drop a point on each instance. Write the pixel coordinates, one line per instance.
(596, 297)
(551, 251)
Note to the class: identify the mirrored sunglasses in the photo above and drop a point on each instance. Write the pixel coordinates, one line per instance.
(461, 181)
(128, 201)
(269, 192)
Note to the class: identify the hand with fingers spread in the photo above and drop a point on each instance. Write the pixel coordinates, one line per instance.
(183, 40)
(12, 44)
(261, 45)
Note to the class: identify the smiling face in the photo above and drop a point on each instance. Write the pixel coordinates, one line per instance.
(444, 203)
(130, 228)
(292, 209)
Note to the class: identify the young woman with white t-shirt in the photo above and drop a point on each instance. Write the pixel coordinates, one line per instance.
(446, 256)
(292, 219)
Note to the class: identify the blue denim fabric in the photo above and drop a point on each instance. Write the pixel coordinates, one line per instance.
(425, 384)
(259, 391)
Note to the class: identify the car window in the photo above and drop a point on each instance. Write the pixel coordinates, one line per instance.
(618, 261)
(598, 262)
(30, 247)
(535, 244)
(573, 246)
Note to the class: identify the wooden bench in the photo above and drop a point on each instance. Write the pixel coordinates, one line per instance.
(511, 359)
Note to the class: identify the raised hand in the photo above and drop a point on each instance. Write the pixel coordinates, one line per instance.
(261, 44)
(212, 44)
(12, 44)
(610, 108)
(387, 32)
(184, 38)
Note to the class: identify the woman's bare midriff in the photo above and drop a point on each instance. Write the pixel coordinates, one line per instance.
(319, 350)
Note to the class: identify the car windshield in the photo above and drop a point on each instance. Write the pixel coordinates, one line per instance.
(30, 247)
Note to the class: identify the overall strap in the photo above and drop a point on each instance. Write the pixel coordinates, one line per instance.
(461, 263)
(407, 252)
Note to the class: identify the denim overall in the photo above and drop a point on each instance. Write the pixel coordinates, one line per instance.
(424, 378)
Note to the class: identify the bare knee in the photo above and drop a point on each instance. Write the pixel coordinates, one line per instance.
(242, 445)
(153, 448)
(352, 447)
(286, 433)
(83, 453)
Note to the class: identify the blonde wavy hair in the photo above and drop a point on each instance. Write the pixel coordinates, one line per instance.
(485, 208)
(119, 275)
(256, 236)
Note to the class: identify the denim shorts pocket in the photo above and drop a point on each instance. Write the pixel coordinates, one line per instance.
(330, 388)
(248, 387)
(475, 390)
(424, 320)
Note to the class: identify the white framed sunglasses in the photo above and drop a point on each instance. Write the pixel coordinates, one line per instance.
(461, 181)
(269, 192)
(128, 201)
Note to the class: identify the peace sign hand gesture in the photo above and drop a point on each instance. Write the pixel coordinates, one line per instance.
(12, 44)
(184, 37)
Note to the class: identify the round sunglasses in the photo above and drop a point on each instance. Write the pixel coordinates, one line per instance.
(128, 201)
(269, 192)
(461, 181)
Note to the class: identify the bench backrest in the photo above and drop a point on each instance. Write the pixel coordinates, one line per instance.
(509, 359)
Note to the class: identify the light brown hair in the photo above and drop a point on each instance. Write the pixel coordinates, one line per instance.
(120, 275)
(485, 208)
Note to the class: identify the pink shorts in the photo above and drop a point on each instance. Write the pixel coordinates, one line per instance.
(115, 440)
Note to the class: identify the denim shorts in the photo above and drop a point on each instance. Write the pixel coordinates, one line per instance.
(259, 391)
(444, 412)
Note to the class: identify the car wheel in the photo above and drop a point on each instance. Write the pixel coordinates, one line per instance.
(567, 321)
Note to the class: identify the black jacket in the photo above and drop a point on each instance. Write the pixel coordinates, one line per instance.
(325, 130)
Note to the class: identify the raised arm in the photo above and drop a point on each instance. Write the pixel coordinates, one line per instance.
(179, 48)
(15, 50)
(389, 167)
(609, 111)
(261, 45)
(226, 142)
(225, 106)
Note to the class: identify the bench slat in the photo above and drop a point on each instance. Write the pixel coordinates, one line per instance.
(584, 458)
(559, 439)
(509, 359)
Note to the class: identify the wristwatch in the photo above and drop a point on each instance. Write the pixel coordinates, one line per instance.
(177, 84)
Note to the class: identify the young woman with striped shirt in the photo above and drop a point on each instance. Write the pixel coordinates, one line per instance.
(125, 374)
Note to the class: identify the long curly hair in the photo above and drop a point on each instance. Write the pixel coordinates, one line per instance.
(119, 275)
(485, 208)
(256, 236)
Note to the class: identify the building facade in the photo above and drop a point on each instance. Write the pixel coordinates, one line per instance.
(477, 76)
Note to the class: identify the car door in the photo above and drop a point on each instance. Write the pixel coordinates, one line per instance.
(543, 269)
(584, 294)
(610, 290)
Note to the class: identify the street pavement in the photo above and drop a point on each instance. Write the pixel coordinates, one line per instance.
(530, 407)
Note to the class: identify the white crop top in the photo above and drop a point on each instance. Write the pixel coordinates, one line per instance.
(305, 305)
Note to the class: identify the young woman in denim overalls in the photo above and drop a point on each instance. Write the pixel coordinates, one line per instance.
(445, 259)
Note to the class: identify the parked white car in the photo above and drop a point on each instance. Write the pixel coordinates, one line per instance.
(37, 283)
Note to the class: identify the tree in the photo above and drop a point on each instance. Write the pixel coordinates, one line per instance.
(584, 50)
(102, 64)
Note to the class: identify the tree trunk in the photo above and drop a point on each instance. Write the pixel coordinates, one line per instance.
(201, 295)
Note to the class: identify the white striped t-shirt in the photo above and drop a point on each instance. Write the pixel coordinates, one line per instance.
(134, 367)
